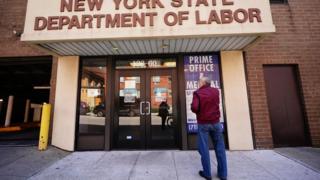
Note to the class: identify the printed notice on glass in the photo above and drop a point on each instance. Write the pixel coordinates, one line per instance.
(194, 68)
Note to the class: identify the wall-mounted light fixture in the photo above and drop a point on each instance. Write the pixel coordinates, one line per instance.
(16, 33)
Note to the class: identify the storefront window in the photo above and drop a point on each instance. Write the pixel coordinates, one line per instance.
(146, 63)
(92, 108)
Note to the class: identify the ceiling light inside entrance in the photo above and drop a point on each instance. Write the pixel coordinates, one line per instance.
(164, 46)
(170, 64)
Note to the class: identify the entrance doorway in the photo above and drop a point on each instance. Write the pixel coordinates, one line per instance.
(146, 109)
(285, 106)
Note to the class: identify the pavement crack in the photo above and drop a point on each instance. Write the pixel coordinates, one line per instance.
(134, 165)
(96, 164)
(175, 166)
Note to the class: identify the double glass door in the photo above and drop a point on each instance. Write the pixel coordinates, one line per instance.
(145, 109)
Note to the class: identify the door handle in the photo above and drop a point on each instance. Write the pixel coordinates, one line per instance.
(149, 108)
(141, 105)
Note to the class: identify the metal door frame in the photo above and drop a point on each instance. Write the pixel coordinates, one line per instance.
(145, 119)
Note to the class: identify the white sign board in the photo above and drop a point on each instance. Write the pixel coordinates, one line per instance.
(53, 20)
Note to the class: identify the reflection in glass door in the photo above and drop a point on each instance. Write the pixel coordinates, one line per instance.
(129, 104)
(92, 105)
(145, 109)
(162, 120)
(129, 120)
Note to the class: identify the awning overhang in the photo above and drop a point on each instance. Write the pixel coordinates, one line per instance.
(148, 46)
(203, 28)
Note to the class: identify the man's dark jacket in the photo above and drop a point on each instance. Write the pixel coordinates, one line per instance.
(205, 104)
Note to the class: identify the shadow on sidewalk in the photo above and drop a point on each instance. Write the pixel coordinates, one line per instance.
(307, 156)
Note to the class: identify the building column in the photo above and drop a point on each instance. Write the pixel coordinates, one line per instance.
(9, 111)
(64, 117)
(236, 101)
(26, 112)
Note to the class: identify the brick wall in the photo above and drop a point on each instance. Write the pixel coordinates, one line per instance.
(297, 41)
(12, 16)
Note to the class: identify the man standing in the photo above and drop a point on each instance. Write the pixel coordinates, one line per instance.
(205, 104)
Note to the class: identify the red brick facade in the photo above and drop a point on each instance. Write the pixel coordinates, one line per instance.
(297, 41)
(12, 16)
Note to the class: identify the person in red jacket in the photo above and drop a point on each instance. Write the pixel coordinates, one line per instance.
(205, 105)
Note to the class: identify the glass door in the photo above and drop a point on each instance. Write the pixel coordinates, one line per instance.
(130, 110)
(161, 120)
(145, 109)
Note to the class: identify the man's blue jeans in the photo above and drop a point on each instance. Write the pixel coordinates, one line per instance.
(216, 133)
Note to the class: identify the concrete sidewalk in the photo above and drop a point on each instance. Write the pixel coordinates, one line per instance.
(167, 165)
(19, 163)
(307, 156)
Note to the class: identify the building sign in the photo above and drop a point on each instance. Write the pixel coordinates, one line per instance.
(194, 68)
(143, 19)
(87, 19)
